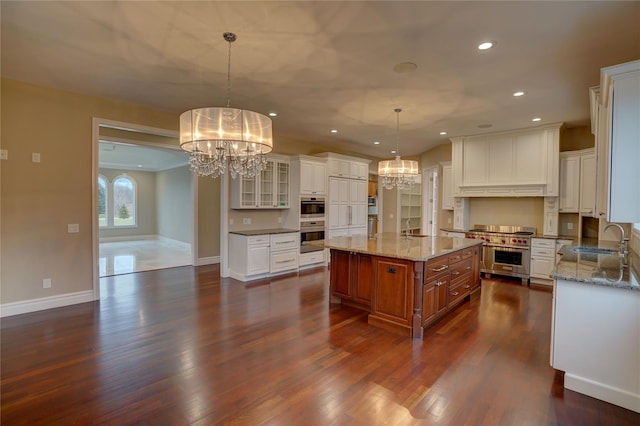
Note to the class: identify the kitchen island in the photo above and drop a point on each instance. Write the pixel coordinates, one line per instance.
(595, 331)
(404, 283)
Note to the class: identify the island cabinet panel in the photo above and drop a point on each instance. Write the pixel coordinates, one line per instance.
(393, 297)
(351, 277)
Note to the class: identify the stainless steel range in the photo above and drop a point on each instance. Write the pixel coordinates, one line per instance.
(506, 250)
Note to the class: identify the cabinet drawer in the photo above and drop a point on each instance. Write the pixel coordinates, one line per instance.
(467, 253)
(436, 266)
(460, 268)
(455, 257)
(543, 252)
(284, 261)
(458, 291)
(311, 258)
(284, 241)
(258, 240)
(543, 243)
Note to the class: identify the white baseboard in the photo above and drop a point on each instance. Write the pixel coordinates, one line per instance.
(602, 391)
(207, 260)
(127, 238)
(40, 304)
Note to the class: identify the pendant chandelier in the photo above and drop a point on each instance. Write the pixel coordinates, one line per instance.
(218, 138)
(397, 172)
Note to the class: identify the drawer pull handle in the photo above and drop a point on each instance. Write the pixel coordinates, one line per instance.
(466, 286)
(440, 269)
(454, 293)
(439, 283)
(455, 273)
(391, 270)
(285, 261)
(285, 242)
(468, 268)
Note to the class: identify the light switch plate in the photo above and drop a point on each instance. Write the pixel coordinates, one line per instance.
(72, 228)
(35, 157)
(4, 154)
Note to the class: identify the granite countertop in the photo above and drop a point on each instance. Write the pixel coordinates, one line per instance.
(398, 246)
(598, 269)
(559, 237)
(252, 232)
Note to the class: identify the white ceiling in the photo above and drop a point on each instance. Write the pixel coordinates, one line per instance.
(325, 65)
(126, 156)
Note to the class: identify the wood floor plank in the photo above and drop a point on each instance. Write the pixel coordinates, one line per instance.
(182, 346)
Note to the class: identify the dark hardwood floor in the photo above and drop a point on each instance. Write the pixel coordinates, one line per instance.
(180, 346)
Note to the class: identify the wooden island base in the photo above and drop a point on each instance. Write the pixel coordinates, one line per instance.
(402, 295)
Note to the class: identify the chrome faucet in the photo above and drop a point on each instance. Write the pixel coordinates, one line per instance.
(623, 240)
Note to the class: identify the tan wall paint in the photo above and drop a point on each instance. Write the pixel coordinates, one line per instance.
(525, 211)
(208, 217)
(577, 138)
(174, 205)
(40, 199)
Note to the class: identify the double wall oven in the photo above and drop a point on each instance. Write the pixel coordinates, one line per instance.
(312, 214)
(506, 250)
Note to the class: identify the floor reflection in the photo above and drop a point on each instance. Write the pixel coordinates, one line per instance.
(125, 257)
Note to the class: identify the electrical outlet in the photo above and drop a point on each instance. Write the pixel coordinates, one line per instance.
(246, 221)
(46, 283)
(72, 228)
(569, 226)
(35, 157)
(4, 154)
(231, 221)
(449, 221)
(279, 220)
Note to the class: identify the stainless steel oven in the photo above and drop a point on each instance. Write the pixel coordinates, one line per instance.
(311, 207)
(505, 249)
(311, 231)
(512, 261)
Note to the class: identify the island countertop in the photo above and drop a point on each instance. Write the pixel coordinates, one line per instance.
(415, 248)
(598, 269)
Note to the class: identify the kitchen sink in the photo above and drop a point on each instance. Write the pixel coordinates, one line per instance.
(594, 250)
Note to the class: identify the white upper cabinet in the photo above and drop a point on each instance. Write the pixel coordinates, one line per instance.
(359, 171)
(521, 163)
(313, 177)
(569, 182)
(268, 190)
(617, 127)
(346, 167)
(339, 168)
(588, 184)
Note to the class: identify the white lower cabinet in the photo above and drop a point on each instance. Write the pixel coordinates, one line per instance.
(543, 260)
(313, 258)
(258, 256)
(284, 252)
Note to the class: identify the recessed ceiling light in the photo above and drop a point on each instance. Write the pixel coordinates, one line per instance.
(518, 94)
(334, 131)
(393, 152)
(484, 126)
(139, 165)
(273, 114)
(405, 67)
(376, 143)
(536, 119)
(486, 45)
(443, 133)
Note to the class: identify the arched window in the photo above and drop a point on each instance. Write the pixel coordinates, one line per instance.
(117, 203)
(103, 198)
(124, 201)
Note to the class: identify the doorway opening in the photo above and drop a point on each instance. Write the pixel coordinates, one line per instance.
(144, 203)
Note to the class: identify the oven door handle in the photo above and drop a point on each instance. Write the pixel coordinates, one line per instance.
(507, 247)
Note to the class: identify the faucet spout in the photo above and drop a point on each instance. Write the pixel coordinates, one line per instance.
(623, 240)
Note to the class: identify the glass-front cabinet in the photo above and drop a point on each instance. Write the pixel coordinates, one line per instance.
(268, 190)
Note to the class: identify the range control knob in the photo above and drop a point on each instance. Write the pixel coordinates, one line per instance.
(504, 241)
(514, 241)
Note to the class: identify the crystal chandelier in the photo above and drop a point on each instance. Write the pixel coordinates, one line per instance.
(218, 138)
(397, 172)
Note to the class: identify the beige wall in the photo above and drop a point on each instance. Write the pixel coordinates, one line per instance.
(40, 199)
(208, 217)
(577, 138)
(174, 206)
(524, 211)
